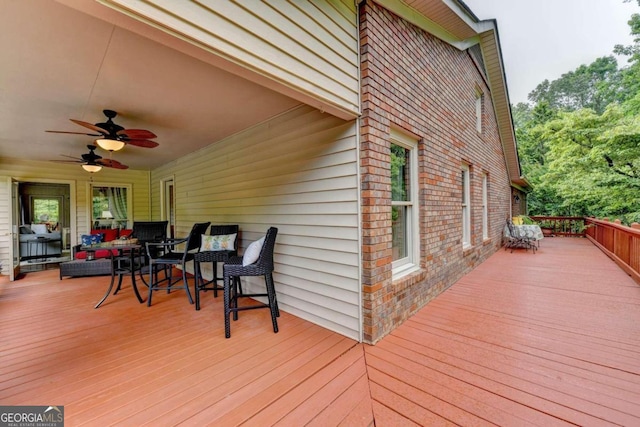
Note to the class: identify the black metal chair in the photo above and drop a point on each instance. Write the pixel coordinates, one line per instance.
(152, 232)
(234, 269)
(165, 256)
(214, 257)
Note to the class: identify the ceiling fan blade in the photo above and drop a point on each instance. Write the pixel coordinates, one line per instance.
(77, 159)
(137, 133)
(74, 133)
(142, 143)
(112, 164)
(67, 161)
(90, 126)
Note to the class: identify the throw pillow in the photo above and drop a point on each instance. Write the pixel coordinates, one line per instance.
(252, 253)
(39, 228)
(91, 239)
(222, 242)
(25, 229)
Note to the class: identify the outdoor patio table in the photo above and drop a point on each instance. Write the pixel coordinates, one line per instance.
(531, 231)
(124, 263)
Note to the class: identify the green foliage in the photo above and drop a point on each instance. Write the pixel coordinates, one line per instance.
(589, 86)
(579, 141)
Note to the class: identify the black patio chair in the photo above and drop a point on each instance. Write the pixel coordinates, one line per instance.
(234, 269)
(164, 256)
(214, 257)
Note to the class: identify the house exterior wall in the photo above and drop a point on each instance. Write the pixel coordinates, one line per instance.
(297, 172)
(32, 171)
(305, 49)
(419, 85)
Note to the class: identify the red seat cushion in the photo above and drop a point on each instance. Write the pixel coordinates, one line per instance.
(108, 234)
(100, 253)
(125, 232)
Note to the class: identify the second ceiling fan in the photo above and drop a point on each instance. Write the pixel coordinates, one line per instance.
(113, 137)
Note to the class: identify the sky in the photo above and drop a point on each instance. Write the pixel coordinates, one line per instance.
(543, 39)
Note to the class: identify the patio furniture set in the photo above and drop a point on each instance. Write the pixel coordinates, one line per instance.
(525, 236)
(149, 254)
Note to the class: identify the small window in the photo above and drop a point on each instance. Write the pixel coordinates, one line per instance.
(46, 210)
(485, 206)
(479, 102)
(404, 209)
(466, 207)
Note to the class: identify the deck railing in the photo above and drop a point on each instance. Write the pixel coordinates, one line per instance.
(619, 242)
(569, 226)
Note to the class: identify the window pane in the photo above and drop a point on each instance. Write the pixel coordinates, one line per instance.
(399, 230)
(46, 210)
(400, 189)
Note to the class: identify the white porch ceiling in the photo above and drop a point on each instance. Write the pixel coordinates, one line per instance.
(60, 63)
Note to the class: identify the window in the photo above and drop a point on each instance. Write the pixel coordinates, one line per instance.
(479, 102)
(485, 207)
(111, 206)
(404, 210)
(45, 209)
(466, 207)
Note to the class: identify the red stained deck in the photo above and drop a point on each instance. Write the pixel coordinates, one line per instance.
(545, 339)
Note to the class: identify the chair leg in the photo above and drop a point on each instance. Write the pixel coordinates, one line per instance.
(227, 306)
(215, 279)
(273, 304)
(186, 284)
(151, 283)
(198, 282)
(234, 295)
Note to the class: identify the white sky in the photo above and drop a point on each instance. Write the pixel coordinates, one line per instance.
(543, 39)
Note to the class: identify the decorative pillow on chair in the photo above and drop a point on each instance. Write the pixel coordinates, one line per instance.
(221, 242)
(39, 228)
(91, 239)
(252, 253)
(25, 229)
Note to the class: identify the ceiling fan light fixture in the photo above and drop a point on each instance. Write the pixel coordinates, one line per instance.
(110, 144)
(91, 168)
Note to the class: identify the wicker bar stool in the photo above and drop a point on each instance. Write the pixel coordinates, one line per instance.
(247, 265)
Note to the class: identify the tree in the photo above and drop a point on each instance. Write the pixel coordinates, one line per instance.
(589, 86)
(579, 143)
(594, 163)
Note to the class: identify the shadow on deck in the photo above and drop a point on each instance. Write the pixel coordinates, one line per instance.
(524, 339)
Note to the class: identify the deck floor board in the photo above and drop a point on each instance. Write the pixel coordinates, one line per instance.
(546, 339)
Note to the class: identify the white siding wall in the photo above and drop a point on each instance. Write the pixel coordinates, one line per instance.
(297, 172)
(56, 172)
(307, 49)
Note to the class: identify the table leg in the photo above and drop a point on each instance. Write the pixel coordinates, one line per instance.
(133, 276)
(113, 277)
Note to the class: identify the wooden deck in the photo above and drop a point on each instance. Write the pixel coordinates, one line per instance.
(545, 339)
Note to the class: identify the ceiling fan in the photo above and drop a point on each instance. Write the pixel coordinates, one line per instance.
(113, 137)
(92, 162)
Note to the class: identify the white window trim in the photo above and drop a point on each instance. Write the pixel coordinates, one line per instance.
(466, 207)
(411, 262)
(485, 206)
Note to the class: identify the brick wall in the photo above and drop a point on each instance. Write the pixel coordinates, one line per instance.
(424, 87)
